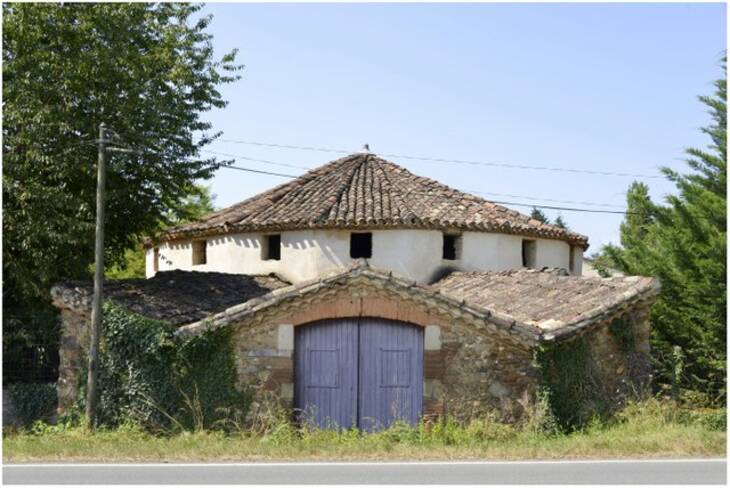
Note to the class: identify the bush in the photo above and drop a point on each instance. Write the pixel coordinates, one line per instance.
(148, 377)
(33, 401)
(570, 390)
(716, 420)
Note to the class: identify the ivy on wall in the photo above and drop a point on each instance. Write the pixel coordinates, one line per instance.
(623, 333)
(574, 389)
(567, 381)
(32, 401)
(148, 376)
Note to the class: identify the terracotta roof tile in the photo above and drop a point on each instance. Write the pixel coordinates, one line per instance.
(363, 190)
(178, 297)
(535, 304)
(544, 296)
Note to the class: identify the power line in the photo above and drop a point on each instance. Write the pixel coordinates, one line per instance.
(285, 175)
(454, 161)
(568, 209)
(547, 199)
(250, 170)
(287, 146)
(550, 207)
(265, 161)
(577, 202)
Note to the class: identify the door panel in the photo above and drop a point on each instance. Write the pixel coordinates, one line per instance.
(391, 373)
(325, 365)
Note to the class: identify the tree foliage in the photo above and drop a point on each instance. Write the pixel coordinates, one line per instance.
(197, 204)
(683, 243)
(146, 70)
(559, 222)
(539, 215)
(161, 382)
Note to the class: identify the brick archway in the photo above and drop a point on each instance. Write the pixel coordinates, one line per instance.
(380, 307)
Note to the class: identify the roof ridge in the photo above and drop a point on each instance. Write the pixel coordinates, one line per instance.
(326, 210)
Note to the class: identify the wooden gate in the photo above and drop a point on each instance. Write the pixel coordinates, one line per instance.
(365, 372)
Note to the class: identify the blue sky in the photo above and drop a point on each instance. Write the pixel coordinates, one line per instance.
(600, 87)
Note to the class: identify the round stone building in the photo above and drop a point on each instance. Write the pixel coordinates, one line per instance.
(362, 206)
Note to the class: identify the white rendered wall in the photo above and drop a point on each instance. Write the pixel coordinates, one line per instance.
(552, 253)
(307, 254)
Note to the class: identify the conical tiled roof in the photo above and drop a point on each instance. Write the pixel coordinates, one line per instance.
(364, 191)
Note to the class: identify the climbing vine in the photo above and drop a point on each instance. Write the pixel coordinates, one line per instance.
(567, 381)
(623, 333)
(148, 376)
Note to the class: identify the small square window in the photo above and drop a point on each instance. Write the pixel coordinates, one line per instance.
(272, 247)
(199, 252)
(451, 247)
(361, 245)
(529, 252)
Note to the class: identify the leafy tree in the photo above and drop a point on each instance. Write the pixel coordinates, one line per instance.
(559, 222)
(197, 204)
(683, 243)
(538, 214)
(146, 70)
(132, 266)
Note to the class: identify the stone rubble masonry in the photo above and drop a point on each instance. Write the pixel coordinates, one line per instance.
(462, 362)
(474, 359)
(73, 355)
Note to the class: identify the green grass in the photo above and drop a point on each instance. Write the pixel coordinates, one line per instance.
(651, 429)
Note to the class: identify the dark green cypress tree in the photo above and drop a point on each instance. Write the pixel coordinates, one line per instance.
(559, 222)
(538, 214)
(684, 244)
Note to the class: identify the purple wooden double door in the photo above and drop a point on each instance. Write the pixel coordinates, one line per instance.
(363, 372)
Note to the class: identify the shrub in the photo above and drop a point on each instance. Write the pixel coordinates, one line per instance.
(716, 420)
(569, 388)
(32, 401)
(148, 377)
(622, 331)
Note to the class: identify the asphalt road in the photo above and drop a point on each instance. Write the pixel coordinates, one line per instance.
(687, 471)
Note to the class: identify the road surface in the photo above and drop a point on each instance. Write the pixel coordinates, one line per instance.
(685, 471)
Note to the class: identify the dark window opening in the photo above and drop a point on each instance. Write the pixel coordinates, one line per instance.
(529, 251)
(156, 259)
(361, 245)
(571, 263)
(272, 247)
(451, 247)
(199, 252)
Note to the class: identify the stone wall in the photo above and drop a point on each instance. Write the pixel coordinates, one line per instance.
(470, 363)
(73, 355)
(623, 368)
(467, 365)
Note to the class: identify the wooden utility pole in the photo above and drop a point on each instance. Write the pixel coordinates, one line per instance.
(96, 312)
